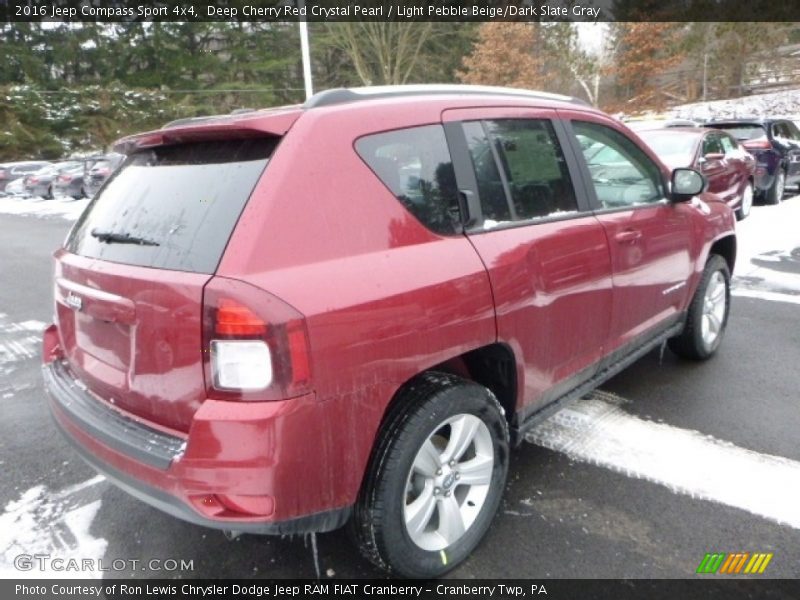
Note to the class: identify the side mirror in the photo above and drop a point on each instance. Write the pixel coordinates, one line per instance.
(686, 183)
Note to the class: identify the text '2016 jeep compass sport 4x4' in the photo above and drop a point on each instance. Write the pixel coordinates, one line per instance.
(348, 311)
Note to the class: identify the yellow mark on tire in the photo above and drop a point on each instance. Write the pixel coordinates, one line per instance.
(444, 557)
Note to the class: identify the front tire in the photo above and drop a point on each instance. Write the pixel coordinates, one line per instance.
(747, 203)
(436, 477)
(708, 313)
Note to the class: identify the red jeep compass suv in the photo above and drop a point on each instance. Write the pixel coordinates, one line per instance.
(348, 311)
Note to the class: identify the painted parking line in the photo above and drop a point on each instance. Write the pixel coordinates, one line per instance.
(597, 430)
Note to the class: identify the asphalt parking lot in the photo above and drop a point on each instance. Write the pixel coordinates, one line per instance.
(673, 460)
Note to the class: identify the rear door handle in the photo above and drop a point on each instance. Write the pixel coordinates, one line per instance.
(627, 236)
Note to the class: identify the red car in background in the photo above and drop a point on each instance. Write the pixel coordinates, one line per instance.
(726, 164)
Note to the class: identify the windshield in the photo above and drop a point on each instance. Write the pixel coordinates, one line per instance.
(185, 199)
(675, 149)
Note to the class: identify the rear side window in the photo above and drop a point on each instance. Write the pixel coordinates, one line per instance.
(532, 171)
(172, 207)
(415, 165)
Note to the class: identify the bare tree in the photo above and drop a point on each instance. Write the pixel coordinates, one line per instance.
(382, 53)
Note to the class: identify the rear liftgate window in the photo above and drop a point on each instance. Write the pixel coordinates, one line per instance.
(415, 165)
(173, 207)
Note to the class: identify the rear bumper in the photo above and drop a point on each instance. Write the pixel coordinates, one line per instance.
(225, 474)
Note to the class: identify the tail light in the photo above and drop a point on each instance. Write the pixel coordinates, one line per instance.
(255, 346)
(32, 180)
(65, 178)
(759, 144)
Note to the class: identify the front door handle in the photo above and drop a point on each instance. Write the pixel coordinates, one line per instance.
(628, 236)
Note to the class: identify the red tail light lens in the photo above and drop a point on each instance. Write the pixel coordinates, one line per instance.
(235, 319)
(65, 178)
(255, 345)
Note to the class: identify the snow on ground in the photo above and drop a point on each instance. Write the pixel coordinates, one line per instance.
(66, 208)
(53, 524)
(597, 430)
(768, 253)
(774, 104)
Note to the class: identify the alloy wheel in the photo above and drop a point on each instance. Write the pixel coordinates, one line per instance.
(448, 482)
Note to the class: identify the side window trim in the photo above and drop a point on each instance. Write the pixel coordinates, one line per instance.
(466, 181)
(583, 168)
(584, 191)
(586, 175)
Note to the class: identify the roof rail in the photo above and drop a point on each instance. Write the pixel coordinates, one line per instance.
(336, 96)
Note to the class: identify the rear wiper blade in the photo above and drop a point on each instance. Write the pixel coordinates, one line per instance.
(111, 237)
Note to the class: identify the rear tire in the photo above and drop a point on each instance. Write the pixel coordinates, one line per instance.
(747, 203)
(775, 192)
(708, 313)
(435, 479)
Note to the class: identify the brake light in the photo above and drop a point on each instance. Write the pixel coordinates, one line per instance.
(32, 180)
(255, 345)
(65, 178)
(234, 319)
(759, 144)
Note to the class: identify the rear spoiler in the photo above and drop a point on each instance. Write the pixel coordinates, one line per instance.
(227, 127)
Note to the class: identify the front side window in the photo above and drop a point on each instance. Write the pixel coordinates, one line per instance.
(520, 169)
(415, 165)
(622, 174)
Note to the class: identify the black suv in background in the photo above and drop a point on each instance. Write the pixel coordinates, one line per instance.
(775, 144)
